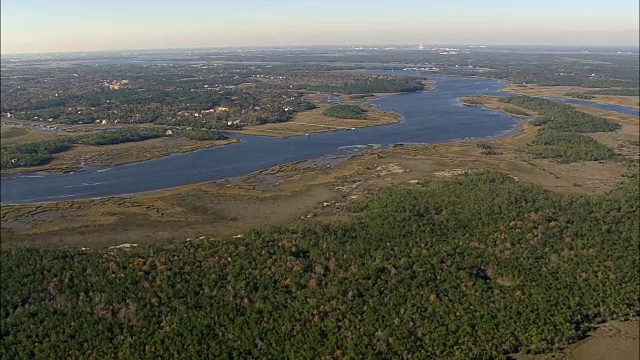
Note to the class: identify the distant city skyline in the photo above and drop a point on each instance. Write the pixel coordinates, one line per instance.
(41, 26)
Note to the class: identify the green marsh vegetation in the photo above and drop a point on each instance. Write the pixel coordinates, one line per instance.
(560, 136)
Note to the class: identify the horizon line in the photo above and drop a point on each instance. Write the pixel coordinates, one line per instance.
(302, 47)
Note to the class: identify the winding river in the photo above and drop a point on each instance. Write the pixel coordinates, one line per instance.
(429, 117)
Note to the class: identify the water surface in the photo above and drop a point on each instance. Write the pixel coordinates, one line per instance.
(428, 117)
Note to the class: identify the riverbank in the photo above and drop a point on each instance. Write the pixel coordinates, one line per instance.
(562, 91)
(297, 192)
(80, 156)
(624, 140)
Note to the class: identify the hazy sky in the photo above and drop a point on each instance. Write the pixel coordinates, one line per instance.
(87, 25)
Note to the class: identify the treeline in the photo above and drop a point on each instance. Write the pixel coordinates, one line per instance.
(560, 135)
(345, 112)
(123, 135)
(473, 267)
(33, 153)
(200, 134)
(41, 152)
(372, 85)
(581, 95)
(617, 92)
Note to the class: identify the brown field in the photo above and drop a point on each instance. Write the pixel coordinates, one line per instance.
(561, 91)
(313, 121)
(10, 135)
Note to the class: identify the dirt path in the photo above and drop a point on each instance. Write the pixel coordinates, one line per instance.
(614, 340)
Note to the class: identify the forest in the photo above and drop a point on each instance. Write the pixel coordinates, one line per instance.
(568, 147)
(473, 267)
(122, 135)
(33, 153)
(616, 92)
(343, 111)
(369, 85)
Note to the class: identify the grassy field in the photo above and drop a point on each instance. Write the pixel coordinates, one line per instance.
(10, 135)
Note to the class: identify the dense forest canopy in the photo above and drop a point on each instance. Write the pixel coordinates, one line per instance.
(372, 84)
(473, 267)
(344, 111)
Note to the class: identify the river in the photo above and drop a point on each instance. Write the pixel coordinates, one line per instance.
(428, 117)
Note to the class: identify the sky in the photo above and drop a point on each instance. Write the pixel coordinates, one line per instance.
(39, 26)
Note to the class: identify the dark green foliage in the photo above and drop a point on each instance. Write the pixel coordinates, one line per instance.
(516, 111)
(617, 92)
(373, 85)
(568, 147)
(580, 95)
(473, 267)
(123, 135)
(472, 102)
(346, 112)
(197, 134)
(306, 105)
(33, 153)
(562, 117)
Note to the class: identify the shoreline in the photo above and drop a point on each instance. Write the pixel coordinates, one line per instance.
(512, 132)
(294, 191)
(516, 130)
(65, 169)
